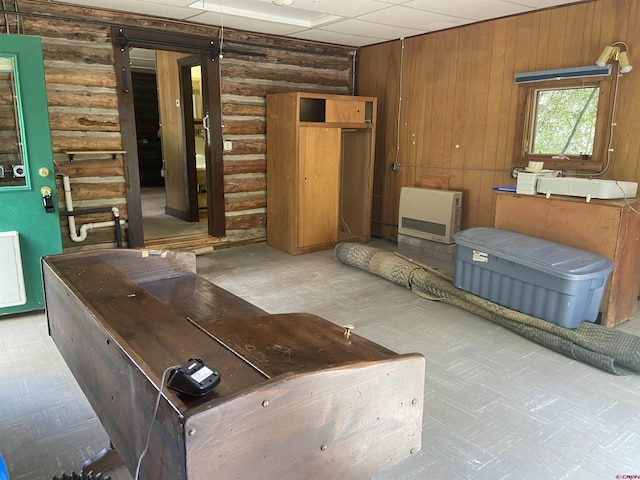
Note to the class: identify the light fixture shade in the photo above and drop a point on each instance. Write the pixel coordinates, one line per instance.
(564, 73)
(282, 3)
(605, 56)
(623, 60)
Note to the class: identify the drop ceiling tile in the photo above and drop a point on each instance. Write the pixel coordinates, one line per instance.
(368, 29)
(401, 16)
(476, 10)
(542, 3)
(265, 11)
(175, 3)
(243, 23)
(396, 2)
(342, 8)
(337, 38)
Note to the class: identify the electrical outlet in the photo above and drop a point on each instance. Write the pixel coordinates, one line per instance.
(227, 145)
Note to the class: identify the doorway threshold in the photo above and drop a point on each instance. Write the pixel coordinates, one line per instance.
(199, 243)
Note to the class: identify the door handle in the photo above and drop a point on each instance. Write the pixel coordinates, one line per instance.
(207, 129)
(47, 201)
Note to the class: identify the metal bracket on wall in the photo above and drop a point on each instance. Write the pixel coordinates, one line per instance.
(114, 153)
(123, 41)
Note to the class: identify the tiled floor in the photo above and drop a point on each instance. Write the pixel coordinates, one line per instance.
(157, 224)
(496, 405)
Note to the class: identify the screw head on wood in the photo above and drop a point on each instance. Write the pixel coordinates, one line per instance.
(347, 330)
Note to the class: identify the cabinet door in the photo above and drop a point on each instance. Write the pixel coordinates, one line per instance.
(345, 111)
(318, 200)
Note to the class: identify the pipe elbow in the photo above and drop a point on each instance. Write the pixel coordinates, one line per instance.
(80, 237)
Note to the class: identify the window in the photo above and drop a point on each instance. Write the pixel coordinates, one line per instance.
(564, 121)
(563, 124)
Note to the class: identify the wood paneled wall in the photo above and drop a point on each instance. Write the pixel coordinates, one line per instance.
(458, 101)
(83, 105)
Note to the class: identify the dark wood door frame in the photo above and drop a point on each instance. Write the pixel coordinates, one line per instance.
(123, 39)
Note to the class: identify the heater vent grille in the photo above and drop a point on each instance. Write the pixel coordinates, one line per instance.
(424, 226)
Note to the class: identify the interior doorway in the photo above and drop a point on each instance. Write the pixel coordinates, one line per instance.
(175, 196)
(170, 143)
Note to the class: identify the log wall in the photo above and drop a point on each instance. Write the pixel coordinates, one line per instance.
(83, 105)
(245, 83)
(459, 105)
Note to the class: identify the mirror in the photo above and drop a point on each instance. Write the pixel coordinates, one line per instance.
(13, 171)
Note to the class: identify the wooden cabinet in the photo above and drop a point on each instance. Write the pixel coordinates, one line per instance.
(605, 227)
(319, 170)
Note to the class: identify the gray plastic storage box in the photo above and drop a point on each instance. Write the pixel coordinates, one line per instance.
(557, 283)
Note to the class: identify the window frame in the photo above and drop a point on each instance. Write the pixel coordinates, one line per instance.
(527, 95)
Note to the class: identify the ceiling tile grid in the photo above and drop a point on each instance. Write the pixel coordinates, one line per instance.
(354, 23)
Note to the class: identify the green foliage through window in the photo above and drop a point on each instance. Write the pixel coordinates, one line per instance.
(565, 121)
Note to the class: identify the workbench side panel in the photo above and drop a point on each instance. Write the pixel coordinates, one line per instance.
(627, 259)
(602, 227)
(343, 423)
(119, 393)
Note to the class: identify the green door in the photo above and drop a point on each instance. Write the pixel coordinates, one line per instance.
(29, 217)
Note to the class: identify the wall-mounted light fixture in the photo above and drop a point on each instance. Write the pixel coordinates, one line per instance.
(617, 53)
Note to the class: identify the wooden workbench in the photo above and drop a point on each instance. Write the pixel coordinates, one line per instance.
(605, 227)
(298, 398)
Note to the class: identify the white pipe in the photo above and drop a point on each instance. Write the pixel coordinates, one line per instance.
(84, 229)
(68, 202)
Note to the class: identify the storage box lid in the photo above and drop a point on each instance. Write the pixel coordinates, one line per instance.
(550, 257)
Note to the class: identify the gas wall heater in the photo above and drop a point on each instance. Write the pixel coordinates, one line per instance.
(430, 214)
